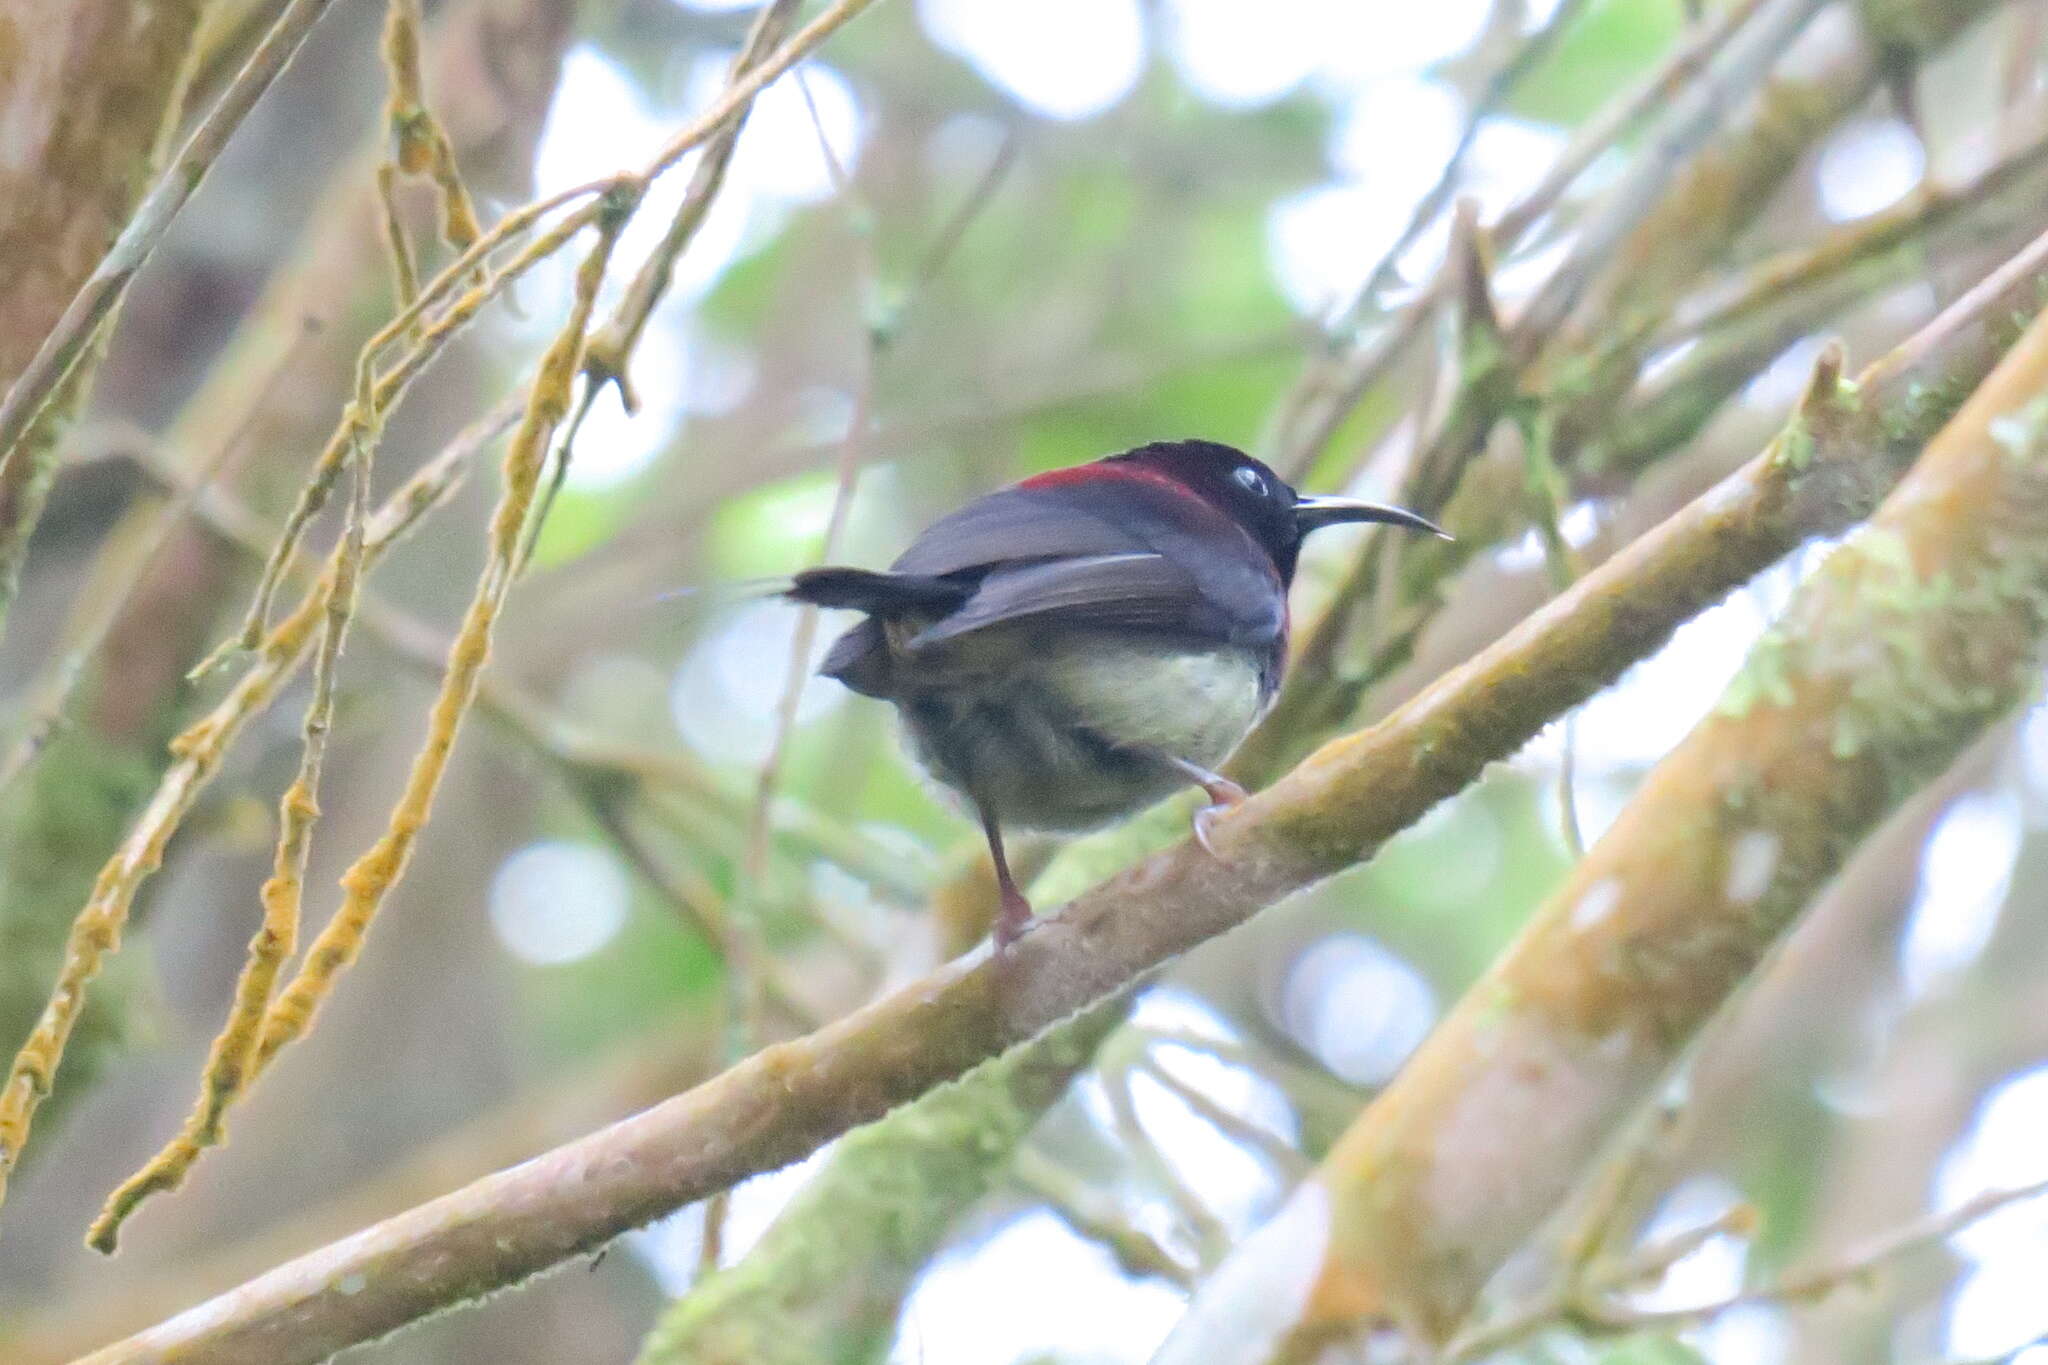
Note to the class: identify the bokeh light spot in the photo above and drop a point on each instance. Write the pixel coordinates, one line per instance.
(1359, 1008)
(1065, 59)
(1868, 166)
(556, 901)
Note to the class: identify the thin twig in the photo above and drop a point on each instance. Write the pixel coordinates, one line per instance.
(744, 953)
(607, 358)
(1592, 1307)
(1210, 1236)
(695, 899)
(1574, 1303)
(1765, 284)
(370, 878)
(739, 93)
(1290, 1164)
(1526, 56)
(1138, 1253)
(952, 232)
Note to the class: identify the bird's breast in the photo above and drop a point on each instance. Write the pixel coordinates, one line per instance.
(1069, 732)
(1193, 704)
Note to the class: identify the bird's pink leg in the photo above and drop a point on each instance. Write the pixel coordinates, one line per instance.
(1224, 797)
(1013, 916)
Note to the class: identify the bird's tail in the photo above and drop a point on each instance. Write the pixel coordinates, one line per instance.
(861, 658)
(884, 593)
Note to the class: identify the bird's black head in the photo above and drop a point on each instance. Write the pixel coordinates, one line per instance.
(1259, 500)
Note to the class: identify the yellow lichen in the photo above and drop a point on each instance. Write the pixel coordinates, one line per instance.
(369, 880)
(230, 1064)
(197, 751)
(364, 415)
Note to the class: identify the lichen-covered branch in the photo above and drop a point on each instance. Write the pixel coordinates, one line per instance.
(93, 744)
(375, 393)
(607, 355)
(370, 878)
(827, 1281)
(229, 1063)
(1907, 642)
(1335, 809)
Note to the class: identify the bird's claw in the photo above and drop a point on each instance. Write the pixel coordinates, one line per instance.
(1013, 919)
(1224, 796)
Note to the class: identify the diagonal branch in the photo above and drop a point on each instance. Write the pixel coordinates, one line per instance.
(1908, 641)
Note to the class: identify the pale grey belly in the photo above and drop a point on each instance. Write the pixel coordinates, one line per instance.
(1069, 738)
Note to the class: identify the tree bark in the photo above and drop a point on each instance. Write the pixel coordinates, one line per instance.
(87, 93)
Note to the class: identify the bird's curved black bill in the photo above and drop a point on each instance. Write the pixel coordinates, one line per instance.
(1311, 513)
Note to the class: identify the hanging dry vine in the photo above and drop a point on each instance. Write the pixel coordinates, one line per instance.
(258, 1027)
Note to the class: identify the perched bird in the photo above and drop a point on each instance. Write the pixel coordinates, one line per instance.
(1072, 648)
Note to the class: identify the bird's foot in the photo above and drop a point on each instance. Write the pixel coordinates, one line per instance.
(1224, 796)
(1013, 918)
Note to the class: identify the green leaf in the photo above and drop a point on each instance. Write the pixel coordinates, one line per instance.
(1597, 58)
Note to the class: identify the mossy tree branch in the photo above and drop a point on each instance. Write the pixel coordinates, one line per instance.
(827, 1280)
(1907, 642)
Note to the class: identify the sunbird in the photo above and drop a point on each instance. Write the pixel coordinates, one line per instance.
(1072, 648)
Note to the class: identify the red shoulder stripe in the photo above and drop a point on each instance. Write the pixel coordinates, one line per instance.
(1124, 470)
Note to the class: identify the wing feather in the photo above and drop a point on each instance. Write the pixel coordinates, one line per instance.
(1135, 591)
(1112, 554)
(1013, 525)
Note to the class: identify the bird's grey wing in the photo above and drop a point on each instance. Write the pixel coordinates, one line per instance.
(1015, 525)
(1136, 591)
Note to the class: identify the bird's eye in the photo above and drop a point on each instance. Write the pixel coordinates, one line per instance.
(1252, 479)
